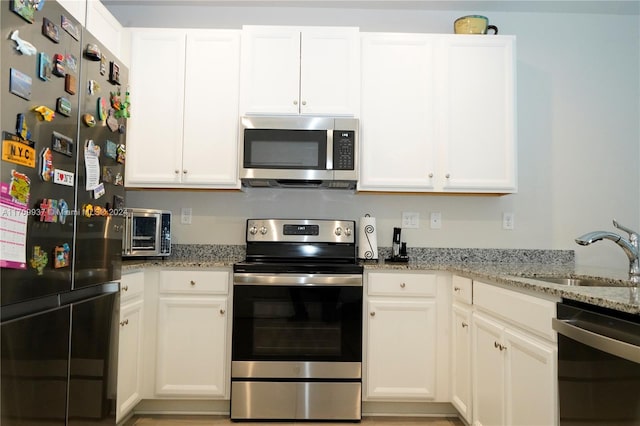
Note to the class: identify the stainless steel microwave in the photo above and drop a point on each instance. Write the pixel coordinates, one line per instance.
(147, 232)
(299, 151)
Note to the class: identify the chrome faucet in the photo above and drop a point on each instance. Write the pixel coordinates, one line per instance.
(630, 246)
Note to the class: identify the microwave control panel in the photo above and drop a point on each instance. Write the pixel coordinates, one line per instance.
(344, 146)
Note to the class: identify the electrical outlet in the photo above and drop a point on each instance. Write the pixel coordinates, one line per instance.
(435, 221)
(410, 220)
(185, 216)
(508, 221)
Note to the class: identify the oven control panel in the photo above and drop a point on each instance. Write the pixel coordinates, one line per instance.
(301, 230)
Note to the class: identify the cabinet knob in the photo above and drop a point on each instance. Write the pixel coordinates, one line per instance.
(222, 311)
(465, 325)
(184, 171)
(499, 346)
(448, 175)
(125, 288)
(295, 102)
(430, 175)
(456, 289)
(176, 171)
(125, 322)
(373, 314)
(304, 102)
(402, 285)
(192, 282)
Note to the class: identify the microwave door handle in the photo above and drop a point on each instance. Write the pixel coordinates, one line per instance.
(127, 232)
(329, 149)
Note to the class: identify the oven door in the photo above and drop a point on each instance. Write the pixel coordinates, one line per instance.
(297, 317)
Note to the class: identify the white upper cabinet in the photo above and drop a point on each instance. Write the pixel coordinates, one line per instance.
(300, 70)
(184, 131)
(398, 139)
(477, 113)
(101, 23)
(438, 113)
(77, 9)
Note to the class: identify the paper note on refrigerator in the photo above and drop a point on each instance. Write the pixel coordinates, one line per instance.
(92, 165)
(13, 230)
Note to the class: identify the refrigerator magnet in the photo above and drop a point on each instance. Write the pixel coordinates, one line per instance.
(62, 144)
(112, 122)
(70, 84)
(18, 151)
(108, 174)
(98, 191)
(92, 52)
(49, 210)
(44, 113)
(118, 202)
(114, 73)
(122, 151)
(102, 108)
(58, 65)
(50, 30)
(20, 84)
(93, 87)
(23, 46)
(63, 211)
(70, 27)
(21, 127)
(103, 65)
(61, 256)
(63, 177)
(25, 9)
(118, 180)
(63, 106)
(71, 61)
(89, 120)
(20, 188)
(46, 165)
(39, 259)
(45, 68)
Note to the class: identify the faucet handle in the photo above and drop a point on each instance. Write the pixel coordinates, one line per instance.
(632, 234)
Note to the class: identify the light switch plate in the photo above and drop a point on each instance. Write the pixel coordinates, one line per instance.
(185, 216)
(410, 220)
(508, 221)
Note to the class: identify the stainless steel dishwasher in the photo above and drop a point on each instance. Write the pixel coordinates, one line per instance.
(598, 365)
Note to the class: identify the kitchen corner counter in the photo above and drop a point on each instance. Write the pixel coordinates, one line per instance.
(515, 275)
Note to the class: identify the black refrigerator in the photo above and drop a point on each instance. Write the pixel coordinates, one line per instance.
(64, 109)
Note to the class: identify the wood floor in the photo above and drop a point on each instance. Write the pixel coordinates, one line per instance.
(222, 421)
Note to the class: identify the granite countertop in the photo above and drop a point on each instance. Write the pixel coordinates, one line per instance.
(510, 268)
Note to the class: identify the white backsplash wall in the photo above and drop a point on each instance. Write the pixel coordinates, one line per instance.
(578, 139)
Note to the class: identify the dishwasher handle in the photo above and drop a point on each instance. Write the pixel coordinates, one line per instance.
(603, 343)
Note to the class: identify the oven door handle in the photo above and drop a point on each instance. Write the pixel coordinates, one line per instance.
(319, 280)
(598, 341)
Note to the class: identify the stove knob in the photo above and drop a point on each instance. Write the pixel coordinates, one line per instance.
(263, 230)
(347, 232)
(338, 231)
(253, 230)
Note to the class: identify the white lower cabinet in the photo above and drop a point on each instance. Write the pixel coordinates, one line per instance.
(192, 334)
(461, 360)
(514, 366)
(401, 339)
(130, 343)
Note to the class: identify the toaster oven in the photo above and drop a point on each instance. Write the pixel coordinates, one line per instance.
(147, 232)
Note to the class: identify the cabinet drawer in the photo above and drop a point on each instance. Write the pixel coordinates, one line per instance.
(461, 289)
(529, 312)
(131, 285)
(194, 282)
(401, 284)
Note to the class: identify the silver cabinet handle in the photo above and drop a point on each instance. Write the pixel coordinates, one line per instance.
(192, 282)
(373, 314)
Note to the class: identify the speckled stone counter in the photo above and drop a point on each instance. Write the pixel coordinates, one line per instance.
(510, 268)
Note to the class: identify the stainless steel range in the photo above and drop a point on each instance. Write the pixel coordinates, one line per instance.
(297, 322)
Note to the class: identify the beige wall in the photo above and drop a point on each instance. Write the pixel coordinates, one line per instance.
(578, 135)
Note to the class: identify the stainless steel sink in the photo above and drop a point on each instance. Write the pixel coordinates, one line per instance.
(579, 282)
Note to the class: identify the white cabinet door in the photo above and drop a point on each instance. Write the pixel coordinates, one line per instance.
(488, 372)
(185, 128)
(77, 9)
(398, 146)
(531, 380)
(477, 113)
(210, 138)
(461, 364)
(154, 135)
(329, 71)
(191, 346)
(401, 349)
(130, 357)
(102, 24)
(295, 70)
